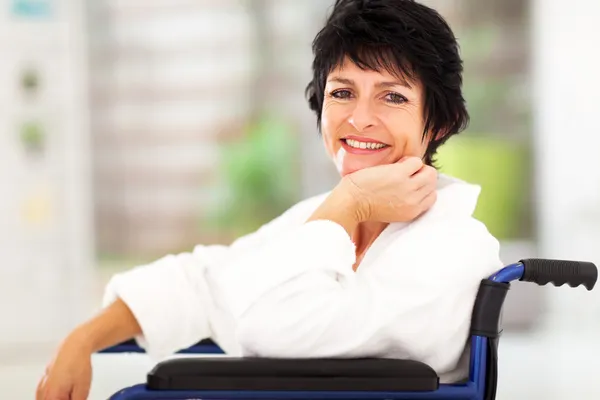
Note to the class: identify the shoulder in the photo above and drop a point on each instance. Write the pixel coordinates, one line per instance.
(305, 208)
(448, 239)
(298, 213)
(294, 216)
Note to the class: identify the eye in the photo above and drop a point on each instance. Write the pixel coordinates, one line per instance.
(395, 98)
(341, 94)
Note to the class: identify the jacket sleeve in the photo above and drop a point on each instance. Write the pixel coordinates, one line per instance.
(170, 298)
(299, 297)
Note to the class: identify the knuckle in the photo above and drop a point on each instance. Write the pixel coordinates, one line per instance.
(431, 201)
(417, 163)
(414, 213)
(411, 201)
(431, 172)
(411, 164)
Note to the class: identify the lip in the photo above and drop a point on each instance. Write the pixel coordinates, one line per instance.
(363, 139)
(353, 150)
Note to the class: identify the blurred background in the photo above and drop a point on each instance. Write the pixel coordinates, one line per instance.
(130, 129)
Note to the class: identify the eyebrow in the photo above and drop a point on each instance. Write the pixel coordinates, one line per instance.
(385, 84)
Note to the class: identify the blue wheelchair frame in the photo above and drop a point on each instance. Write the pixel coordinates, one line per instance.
(473, 389)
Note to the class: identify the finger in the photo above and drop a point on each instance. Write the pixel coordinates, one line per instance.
(428, 201)
(410, 165)
(426, 176)
(39, 390)
(417, 196)
(423, 192)
(56, 394)
(404, 158)
(80, 392)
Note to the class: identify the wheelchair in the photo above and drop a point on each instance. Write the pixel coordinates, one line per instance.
(213, 377)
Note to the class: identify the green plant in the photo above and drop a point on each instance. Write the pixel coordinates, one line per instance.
(258, 177)
(502, 170)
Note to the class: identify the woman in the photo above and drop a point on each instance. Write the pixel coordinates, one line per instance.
(386, 264)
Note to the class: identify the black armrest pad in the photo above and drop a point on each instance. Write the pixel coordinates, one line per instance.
(225, 373)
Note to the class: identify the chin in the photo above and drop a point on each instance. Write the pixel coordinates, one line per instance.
(347, 164)
(349, 170)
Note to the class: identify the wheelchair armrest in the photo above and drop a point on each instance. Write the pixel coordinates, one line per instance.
(292, 374)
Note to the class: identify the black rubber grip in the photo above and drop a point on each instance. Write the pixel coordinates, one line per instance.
(558, 272)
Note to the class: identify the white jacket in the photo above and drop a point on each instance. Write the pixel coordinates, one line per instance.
(289, 290)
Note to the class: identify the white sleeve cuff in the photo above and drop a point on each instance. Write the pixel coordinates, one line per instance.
(115, 290)
(169, 300)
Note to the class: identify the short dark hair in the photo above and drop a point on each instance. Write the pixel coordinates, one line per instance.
(403, 37)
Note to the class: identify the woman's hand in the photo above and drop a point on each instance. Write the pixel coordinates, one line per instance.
(69, 375)
(398, 192)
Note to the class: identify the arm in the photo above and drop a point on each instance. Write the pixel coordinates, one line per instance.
(164, 305)
(172, 278)
(69, 374)
(301, 298)
(113, 325)
(170, 297)
(341, 208)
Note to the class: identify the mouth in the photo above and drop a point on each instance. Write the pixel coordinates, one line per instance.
(363, 146)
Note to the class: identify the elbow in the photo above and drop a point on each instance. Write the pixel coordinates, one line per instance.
(286, 330)
(266, 337)
(290, 327)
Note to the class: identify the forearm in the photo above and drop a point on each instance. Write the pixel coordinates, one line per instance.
(115, 324)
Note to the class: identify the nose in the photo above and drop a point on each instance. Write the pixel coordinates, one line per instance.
(362, 116)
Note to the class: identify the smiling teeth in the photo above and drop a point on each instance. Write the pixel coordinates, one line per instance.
(364, 145)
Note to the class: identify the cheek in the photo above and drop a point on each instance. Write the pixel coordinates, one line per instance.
(406, 127)
(331, 122)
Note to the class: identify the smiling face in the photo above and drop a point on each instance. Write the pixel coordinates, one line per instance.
(371, 118)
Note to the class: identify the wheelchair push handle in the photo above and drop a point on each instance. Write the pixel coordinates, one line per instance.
(560, 272)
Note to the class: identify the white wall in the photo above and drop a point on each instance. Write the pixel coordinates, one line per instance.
(567, 133)
(45, 226)
(170, 81)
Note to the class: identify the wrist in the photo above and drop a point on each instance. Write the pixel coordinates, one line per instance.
(80, 340)
(341, 208)
(349, 196)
